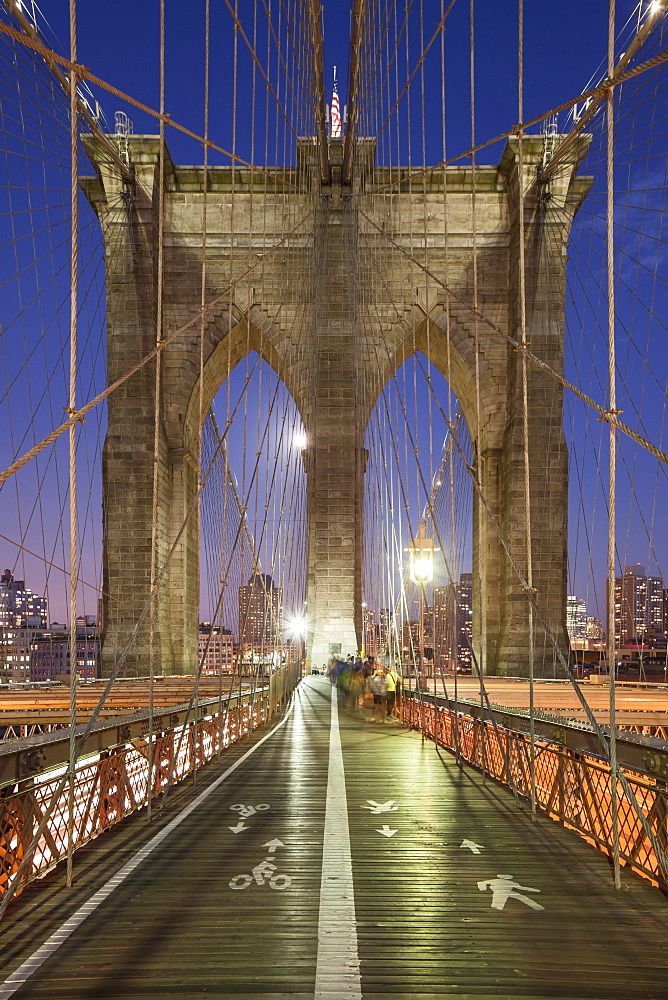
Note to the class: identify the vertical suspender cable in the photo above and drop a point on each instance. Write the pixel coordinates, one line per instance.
(429, 510)
(202, 327)
(156, 414)
(525, 395)
(448, 347)
(482, 662)
(74, 276)
(612, 392)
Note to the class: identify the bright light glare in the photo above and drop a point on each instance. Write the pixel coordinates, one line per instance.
(296, 627)
(655, 6)
(299, 440)
(421, 569)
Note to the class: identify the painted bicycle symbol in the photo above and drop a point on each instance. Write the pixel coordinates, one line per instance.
(262, 874)
(246, 811)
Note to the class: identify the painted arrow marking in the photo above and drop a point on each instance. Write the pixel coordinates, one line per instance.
(273, 844)
(380, 807)
(386, 831)
(472, 846)
(239, 827)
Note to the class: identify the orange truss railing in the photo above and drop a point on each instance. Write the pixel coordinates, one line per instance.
(113, 784)
(573, 788)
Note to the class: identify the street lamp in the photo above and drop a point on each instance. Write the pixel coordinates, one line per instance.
(421, 572)
(363, 651)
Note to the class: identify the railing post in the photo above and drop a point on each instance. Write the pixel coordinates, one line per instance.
(561, 765)
(272, 695)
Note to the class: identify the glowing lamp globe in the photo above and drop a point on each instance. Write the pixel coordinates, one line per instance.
(421, 566)
(421, 558)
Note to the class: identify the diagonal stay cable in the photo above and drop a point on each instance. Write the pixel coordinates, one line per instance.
(83, 73)
(270, 87)
(483, 690)
(518, 346)
(604, 742)
(594, 92)
(30, 850)
(82, 411)
(221, 449)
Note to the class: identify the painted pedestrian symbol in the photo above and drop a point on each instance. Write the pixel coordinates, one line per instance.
(503, 888)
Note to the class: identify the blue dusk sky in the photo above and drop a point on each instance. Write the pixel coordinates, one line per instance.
(565, 51)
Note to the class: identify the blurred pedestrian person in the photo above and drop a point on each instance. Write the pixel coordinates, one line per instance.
(378, 687)
(392, 683)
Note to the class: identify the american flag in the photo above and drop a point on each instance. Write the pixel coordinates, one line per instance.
(335, 132)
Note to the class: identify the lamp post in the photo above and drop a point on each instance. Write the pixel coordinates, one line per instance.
(363, 651)
(421, 572)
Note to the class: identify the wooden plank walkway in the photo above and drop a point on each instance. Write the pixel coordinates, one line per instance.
(206, 914)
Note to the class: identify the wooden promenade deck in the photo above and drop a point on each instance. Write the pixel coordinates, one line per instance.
(398, 902)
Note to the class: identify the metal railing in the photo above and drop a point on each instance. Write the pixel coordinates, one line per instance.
(113, 783)
(571, 786)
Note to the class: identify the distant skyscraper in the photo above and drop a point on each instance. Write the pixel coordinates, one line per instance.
(410, 640)
(594, 630)
(22, 616)
(465, 618)
(370, 630)
(50, 656)
(260, 613)
(443, 626)
(639, 607)
(576, 619)
(19, 606)
(388, 640)
(216, 644)
(453, 614)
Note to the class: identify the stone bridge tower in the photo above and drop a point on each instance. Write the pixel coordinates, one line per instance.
(319, 267)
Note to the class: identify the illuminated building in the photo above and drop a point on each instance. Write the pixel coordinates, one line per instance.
(576, 620)
(50, 652)
(453, 616)
(639, 607)
(260, 612)
(22, 616)
(594, 630)
(19, 606)
(217, 645)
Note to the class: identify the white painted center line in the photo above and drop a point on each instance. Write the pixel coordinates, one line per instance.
(338, 966)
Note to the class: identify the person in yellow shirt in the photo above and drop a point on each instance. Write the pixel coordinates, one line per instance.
(392, 682)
